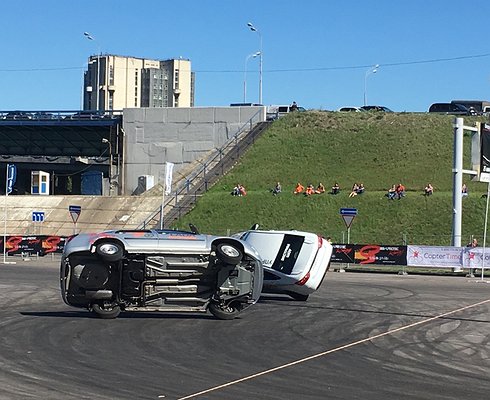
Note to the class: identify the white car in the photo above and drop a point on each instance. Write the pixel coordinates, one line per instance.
(350, 109)
(295, 263)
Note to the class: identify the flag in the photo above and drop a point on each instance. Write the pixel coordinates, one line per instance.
(11, 177)
(169, 167)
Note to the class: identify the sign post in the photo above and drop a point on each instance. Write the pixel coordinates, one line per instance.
(38, 216)
(75, 213)
(348, 215)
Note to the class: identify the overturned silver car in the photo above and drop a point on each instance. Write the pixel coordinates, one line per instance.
(160, 270)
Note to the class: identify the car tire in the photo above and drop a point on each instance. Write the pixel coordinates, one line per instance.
(109, 250)
(299, 297)
(226, 312)
(106, 312)
(228, 253)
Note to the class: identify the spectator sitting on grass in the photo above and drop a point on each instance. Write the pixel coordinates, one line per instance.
(242, 190)
(236, 190)
(299, 188)
(360, 188)
(335, 188)
(355, 188)
(277, 189)
(320, 189)
(391, 192)
(400, 191)
(429, 190)
(310, 190)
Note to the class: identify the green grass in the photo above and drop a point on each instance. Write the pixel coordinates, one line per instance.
(377, 149)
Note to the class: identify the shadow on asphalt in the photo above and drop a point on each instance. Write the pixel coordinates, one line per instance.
(123, 315)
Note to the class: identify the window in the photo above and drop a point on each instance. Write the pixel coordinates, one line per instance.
(111, 75)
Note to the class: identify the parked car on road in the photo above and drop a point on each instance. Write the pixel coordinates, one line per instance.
(295, 262)
(160, 270)
(376, 108)
(275, 112)
(350, 109)
(450, 109)
(480, 107)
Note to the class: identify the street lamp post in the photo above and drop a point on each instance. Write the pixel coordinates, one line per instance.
(254, 29)
(370, 71)
(256, 54)
(90, 37)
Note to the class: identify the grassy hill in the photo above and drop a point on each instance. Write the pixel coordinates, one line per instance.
(377, 149)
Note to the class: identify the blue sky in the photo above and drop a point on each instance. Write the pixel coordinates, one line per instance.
(315, 52)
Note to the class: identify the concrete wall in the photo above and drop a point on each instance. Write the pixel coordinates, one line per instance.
(154, 136)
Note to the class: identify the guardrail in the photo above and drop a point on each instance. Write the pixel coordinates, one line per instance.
(58, 115)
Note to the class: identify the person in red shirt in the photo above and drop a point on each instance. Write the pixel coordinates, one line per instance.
(299, 188)
(310, 190)
(400, 191)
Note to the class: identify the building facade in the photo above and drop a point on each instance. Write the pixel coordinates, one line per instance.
(129, 82)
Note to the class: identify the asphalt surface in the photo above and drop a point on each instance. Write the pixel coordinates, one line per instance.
(361, 336)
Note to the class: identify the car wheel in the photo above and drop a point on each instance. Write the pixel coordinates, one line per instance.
(106, 311)
(109, 251)
(299, 297)
(221, 311)
(228, 253)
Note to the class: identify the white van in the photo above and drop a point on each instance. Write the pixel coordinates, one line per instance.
(274, 112)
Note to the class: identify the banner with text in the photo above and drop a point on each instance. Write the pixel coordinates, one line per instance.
(434, 256)
(369, 254)
(40, 245)
(473, 257)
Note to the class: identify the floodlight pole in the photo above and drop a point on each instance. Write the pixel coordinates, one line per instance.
(458, 171)
(457, 181)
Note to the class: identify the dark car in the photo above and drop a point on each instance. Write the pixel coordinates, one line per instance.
(376, 108)
(160, 270)
(451, 109)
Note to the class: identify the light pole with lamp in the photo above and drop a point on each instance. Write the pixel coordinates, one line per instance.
(90, 37)
(254, 29)
(370, 71)
(256, 54)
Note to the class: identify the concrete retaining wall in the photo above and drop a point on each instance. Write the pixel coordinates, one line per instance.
(154, 136)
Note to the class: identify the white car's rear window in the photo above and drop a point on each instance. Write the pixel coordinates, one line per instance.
(285, 253)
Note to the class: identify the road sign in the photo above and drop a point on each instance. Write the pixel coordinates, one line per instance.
(37, 216)
(348, 215)
(75, 212)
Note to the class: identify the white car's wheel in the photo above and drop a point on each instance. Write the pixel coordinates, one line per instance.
(298, 296)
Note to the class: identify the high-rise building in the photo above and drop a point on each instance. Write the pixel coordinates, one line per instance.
(129, 82)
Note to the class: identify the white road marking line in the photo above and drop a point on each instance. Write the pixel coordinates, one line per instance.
(346, 346)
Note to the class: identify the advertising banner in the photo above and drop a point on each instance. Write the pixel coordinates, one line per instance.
(169, 168)
(434, 256)
(11, 177)
(485, 149)
(40, 245)
(369, 254)
(473, 257)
